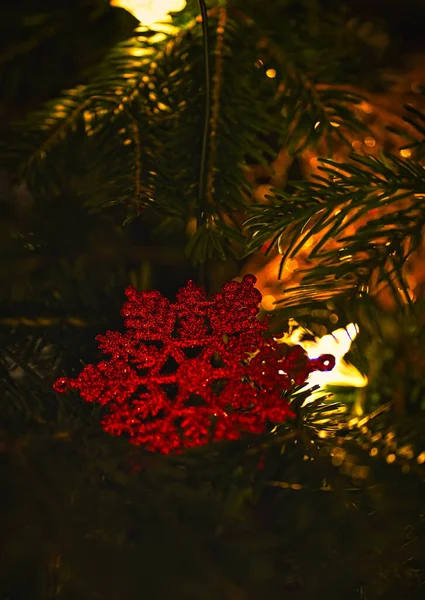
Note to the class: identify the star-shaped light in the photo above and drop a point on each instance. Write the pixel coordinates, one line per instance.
(337, 343)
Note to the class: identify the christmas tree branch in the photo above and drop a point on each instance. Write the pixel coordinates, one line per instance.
(217, 82)
(203, 179)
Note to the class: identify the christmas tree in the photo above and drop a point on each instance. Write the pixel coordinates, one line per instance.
(212, 296)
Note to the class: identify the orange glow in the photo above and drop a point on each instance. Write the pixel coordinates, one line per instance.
(268, 302)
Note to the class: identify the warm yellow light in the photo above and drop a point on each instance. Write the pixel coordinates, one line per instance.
(268, 302)
(151, 12)
(370, 141)
(366, 107)
(406, 153)
(271, 73)
(337, 343)
(406, 452)
(421, 458)
(291, 265)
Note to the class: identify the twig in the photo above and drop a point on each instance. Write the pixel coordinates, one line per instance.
(200, 217)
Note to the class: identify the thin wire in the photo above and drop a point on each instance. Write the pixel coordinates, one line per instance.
(200, 217)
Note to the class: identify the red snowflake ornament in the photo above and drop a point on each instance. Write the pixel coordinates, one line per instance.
(193, 371)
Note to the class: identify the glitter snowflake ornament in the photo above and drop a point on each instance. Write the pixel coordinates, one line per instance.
(194, 371)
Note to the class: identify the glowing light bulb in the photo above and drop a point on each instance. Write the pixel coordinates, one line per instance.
(365, 107)
(337, 343)
(268, 302)
(151, 13)
(421, 458)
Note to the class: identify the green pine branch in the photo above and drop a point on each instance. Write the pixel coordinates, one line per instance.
(318, 215)
(132, 135)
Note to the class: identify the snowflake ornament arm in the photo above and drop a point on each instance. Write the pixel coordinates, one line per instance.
(198, 370)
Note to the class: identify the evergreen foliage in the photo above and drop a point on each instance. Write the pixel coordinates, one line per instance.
(145, 99)
(346, 193)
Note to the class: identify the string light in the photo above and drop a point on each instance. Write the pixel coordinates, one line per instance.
(291, 265)
(152, 13)
(421, 458)
(337, 343)
(268, 302)
(365, 107)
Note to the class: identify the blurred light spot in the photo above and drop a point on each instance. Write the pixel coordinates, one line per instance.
(191, 227)
(366, 107)
(421, 458)
(151, 13)
(291, 265)
(406, 451)
(268, 302)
